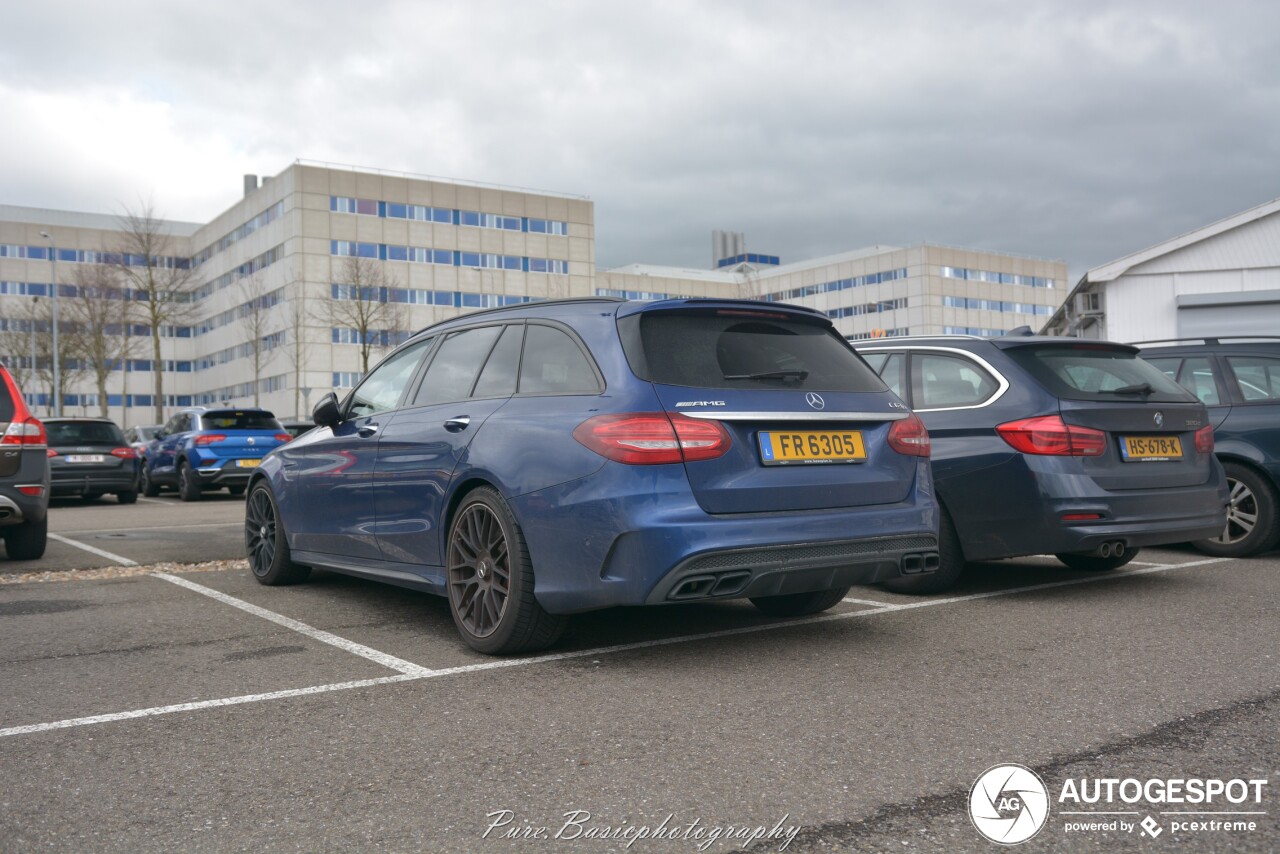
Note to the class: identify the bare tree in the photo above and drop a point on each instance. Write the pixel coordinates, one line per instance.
(257, 323)
(101, 315)
(18, 348)
(297, 317)
(363, 303)
(28, 330)
(162, 285)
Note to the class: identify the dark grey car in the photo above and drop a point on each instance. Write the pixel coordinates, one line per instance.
(1059, 446)
(24, 475)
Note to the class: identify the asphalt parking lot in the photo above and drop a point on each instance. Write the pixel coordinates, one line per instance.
(200, 711)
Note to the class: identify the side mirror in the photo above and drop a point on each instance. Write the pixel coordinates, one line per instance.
(326, 413)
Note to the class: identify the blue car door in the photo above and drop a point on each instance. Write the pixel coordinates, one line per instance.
(469, 377)
(331, 471)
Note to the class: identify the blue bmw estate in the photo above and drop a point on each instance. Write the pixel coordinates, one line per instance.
(538, 460)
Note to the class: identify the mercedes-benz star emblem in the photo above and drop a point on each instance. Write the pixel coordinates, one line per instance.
(815, 400)
(1159, 419)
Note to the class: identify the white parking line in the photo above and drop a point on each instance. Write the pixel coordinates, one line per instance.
(153, 500)
(408, 668)
(853, 601)
(122, 561)
(423, 673)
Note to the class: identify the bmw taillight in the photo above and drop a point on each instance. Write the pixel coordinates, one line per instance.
(909, 436)
(653, 438)
(125, 453)
(209, 439)
(1049, 435)
(1204, 439)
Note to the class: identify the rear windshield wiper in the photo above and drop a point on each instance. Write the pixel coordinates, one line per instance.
(1140, 388)
(798, 376)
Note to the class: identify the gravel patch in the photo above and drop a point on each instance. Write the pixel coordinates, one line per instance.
(121, 571)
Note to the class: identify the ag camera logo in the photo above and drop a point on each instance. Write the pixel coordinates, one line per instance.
(1009, 804)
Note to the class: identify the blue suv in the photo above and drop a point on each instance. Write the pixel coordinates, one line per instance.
(1063, 446)
(202, 448)
(534, 461)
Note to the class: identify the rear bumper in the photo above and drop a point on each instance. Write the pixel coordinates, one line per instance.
(226, 474)
(84, 484)
(16, 508)
(638, 537)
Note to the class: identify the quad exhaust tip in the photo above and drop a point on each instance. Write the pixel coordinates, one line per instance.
(921, 562)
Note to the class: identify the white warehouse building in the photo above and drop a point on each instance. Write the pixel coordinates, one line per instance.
(1219, 280)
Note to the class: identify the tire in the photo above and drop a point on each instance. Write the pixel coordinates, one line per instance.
(236, 490)
(188, 482)
(27, 541)
(490, 580)
(950, 563)
(1092, 563)
(149, 488)
(1251, 517)
(127, 497)
(266, 543)
(799, 604)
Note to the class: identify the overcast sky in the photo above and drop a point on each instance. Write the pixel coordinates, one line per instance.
(1070, 130)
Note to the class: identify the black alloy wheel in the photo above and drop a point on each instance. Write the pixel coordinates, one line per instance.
(490, 579)
(265, 542)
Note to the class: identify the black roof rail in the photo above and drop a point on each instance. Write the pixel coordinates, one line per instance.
(1211, 340)
(484, 312)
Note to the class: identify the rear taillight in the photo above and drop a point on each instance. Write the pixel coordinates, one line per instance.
(28, 431)
(1204, 440)
(653, 438)
(283, 437)
(1050, 435)
(209, 439)
(125, 453)
(51, 453)
(909, 436)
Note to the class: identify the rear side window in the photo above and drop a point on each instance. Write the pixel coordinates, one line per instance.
(950, 381)
(453, 371)
(1257, 376)
(553, 363)
(1097, 373)
(232, 419)
(730, 349)
(6, 401)
(1195, 374)
(73, 432)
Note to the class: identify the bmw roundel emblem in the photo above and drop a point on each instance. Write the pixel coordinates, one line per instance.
(815, 400)
(1159, 417)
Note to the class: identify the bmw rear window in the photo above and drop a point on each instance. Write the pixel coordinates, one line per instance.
(1092, 372)
(232, 419)
(718, 348)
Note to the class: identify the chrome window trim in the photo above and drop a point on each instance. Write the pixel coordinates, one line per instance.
(999, 377)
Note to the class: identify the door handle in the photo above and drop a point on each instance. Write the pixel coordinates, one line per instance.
(457, 425)
(366, 430)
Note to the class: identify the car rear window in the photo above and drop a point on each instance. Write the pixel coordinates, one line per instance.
(737, 349)
(232, 419)
(1097, 373)
(83, 432)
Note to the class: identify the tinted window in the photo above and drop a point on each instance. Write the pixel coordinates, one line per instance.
(453, 370)
(1092, 372)
(727, 350)
(236, 419)
(382, 389)
(890, 368)
(6, 402)
(553, 363)
(1257, 376)
(951, 381)
(83, 432)
(1195, 375)
(498, 377)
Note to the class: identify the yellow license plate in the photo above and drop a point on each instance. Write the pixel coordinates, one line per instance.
(807, 447)
(1151, 448)
(248, 464)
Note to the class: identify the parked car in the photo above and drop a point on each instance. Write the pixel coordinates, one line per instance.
(1054, 445)
(140, 435)
(89, 457)
(24, 475)
(295, 427)
(203, 448)
(1238, 379)
(535, 461)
